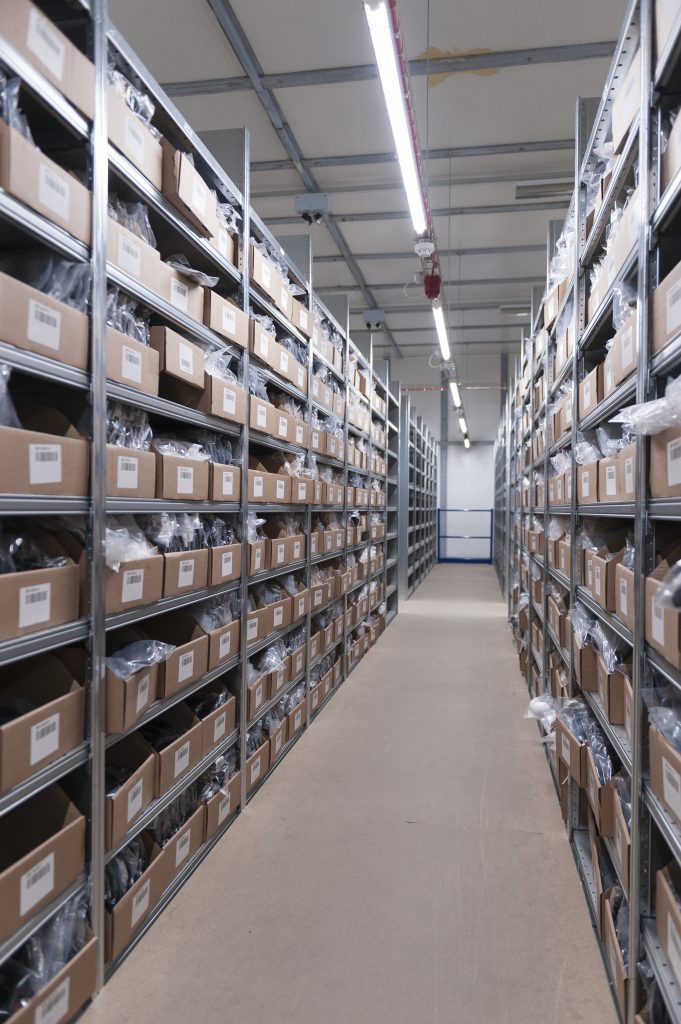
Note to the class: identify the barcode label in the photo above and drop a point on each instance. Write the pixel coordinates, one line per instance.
(298, 662)
(44, 738)
(134, 135)
(229, 320)
(199, 193)
(609, 382)
(258, 558)
(36, 884)
(297, 550)
(280, 554)
(597, 579)
(127, 475)
(255, 770)
(44, 463)
(133, 585)
(227, 483)
(302, 319)
(674, 462)
(671, 787)
(34, 605)
(229, 401)
(53, 192)
(263, 344)
(674, 947)
(278, 680)
(182, 759)
(278, 742)
(585, 485)
(252, 629)
(257, 486)
(220, 727)
(185, 576)
(281, 491)
(587, 394)
(261, 416)
(55, 1008)
(185, 479)
(285, 300)
(624, 596)
(227, 562)
(131, 365)
(673, 308)
(224, 808)
(283, 426)
(278, 617)
(182, 849)
(317, 597)
(142, 694)
(179, 295)
(283, 361)
(301, 606)
(225, 645)
(658, 622)
(301, 378)
(611, 480)
(223, 242)
(302, 492)
(42, 39)
(629, 475)
(140, 904)
(186, 360)
(589, 573)
(257, 696)
(315, 439)
(44, 325)
(297, 721)
(265, 274)
(135, 798)
(129, 257)
(565, 749)
(186, 666)
(627, 348)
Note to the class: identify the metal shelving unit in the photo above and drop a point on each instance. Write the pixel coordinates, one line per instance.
(417, 521)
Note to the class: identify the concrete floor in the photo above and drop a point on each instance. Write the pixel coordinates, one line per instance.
(406, 862)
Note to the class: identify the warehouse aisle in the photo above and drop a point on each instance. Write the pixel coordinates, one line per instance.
(406, 863)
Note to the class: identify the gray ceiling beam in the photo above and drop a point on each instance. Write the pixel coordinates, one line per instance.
(452, 211)
(397, 186)
(494, 61)
(429, 329)
(241, 46)
(452, 307)
(400, 285)
(490, 250)
(449, 153)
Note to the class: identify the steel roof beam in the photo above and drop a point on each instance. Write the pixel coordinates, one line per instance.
(495, 61)
(453, 211)
(452, 307)
(399, 285)
(429, 329)
(491, 250)
(397, 186)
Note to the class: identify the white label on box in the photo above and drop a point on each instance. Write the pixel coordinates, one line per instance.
(133, 585)
(283, 426)
(587, 394)
(223, 808)
(261, 416)
(299, 434)
(131, 364)
(229, 401)
(257, 486)
(298, 720)
(673, 308)
(302, 316)
(589, 574)
(281, 489)
(185, 479)
(182, 759)
(134, 138)
(315, 439)
(258, 558)
(624, 596)
(671, 787)
(593, 792)
(227, 483)
(186, 359)
(182, 849)
(278, 616)
(301, 606)
(609, 382)
(252, 629)
(36, 884)
(225, 644)
(220, 727)
(674, 947)
(658, 621)
(597, 579)
(255, 770)
(229, 320)
(297, 550)
(34, 605)
(199, 192)
(674, 462)
(45, 43)
(318, 594)
(301, 377)
(258, 696)
(620, 843)
(135, 797)
(611, 268)
(53, 192)
(285, 299)
(227, 561)
(185, 576)
(559, 489)
(142, 693)
(585, 485)
(315, 697)
(265, 274)
(186, 666)
(627, 348)
(283, 361)
(302, 492)
(44, 738)
(44, 325)
(223, 242)
(611, 480)
(179, 295)
(565, 749)
(129, 257)
(277, 742)
(127, 476)
(140, 904)
(281, 553)
(55, 1008)
(44, 463)
(279, 680)
(629, 475)
(263, 345)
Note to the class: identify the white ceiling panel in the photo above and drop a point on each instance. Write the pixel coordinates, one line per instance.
(209, 113)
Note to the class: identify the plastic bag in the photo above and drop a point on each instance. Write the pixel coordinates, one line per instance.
(127, 427)
(628, 559)
(8, 414)
(257, 383)
(544, 710)
(123, 870)
(134, 217)
(180, 263)
(612, 441)
(125, 542)
(137, 101)
(184, 449)
(61, 279)
(141, 654)
(216, 612)
(19, 552)
(216, 778)
(624, 299)
(124, 315)
(586, 451)
(653, 417)
(669, 595)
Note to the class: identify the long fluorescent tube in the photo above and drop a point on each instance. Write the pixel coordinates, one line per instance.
(466, 442)
(455, 393)
(441, 327)
(383, 41)
(462, 424)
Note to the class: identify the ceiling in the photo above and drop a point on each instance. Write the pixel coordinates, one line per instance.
(331, 126)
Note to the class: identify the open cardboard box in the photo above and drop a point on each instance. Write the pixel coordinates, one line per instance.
(218, 724)
(127, 699)
(224, 482)
(668, 913)
(178, 359)
(184, 187)
(130, 362)
(130, 473)
(611, 689)
(131, 254)
(223, 317)
(263, 274)
(662, 624)
(134, 584)
(177, 758)
(257, 765)
(222, 806)
(265, 485)
(47, 456)
(133, 908)
(126, 804)
(614, 955)
(38, 323)
(39, 598)
(224, 564)
(665, 773)
(63, 996)
(182, 846)
(572, 753)
(179, 477)
(185, 571)
(278, 735)
(604, 564)
(665, 463)
(189, 660)
(666, 309)
(133, 138)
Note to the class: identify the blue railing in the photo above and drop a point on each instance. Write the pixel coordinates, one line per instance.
(456, 552)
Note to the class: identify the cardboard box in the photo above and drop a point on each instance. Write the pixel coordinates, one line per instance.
(184, 843)
(668, 913)
(43, 851)
(180, 291)
(136, 904)
(222, 806)
(621, 840)
(224, 564)
(189, 661)
(666, 309)
(624, 595)
(301, 317)
(44, 186)
(177, 477)
(180, 756)
(662, 624)
(571, 752)
(626, 473)
(41, 598)
(55, 724)
(184, 187)
(127, 699)
(624, 350)
(132, 255)
(267, 487)
(614, 955)
(134, 584)
(608, 479)
(600, 798)
(224, 483)
(257, 557)
(263, 274)
(225, 318)
(626, 103)
(132, 137)
(257, 766)
(268, 620)
(611, 690)
(130, 473)
(38, 323)
(665, 773)
(590, 392)
(124, 807)
(587, 483)
(177, 357)
(185, 571)
(49, 457)
(665, 464)
(64, 995)
(278, 738)
(258, 695)
(297, 719)
(223, 644)
(666, 14)
(603, 587)
(564, 549)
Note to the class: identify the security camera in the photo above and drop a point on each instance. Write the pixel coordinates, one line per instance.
(313, 206)
(374, 319)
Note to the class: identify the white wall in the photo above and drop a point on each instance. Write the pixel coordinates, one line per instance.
(470, 485)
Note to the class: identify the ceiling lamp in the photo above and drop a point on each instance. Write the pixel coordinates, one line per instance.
(462, 424)
(454, 387)
(466, 442)
(441, 328)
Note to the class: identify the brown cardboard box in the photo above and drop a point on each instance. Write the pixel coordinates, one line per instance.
(224, 483)
(614, 955)
(278, 679)
(39, 599)
(38, 323)
(224, 399)
(132, 255)
(662, 624)
(263, 274)
(666, 14)
(182, 754)
(586, 667)
(301, 317)
(185, 842)
(268, 620)
(587, 483)
(43, 851)
(571, 753)
(134, 584)
(608, 479)
(626, 470)
(55, 724)
(665, 464)
(666, 306)
(622, 840)
(177, 357)
(278, 740)
(222, 806)
(302, 491)
(297, 719)
(131, 135)
(300, 604)
(223, 644)
(665, 773)
(124, 806)
(127, 699)
(189, 661)
(49, 457)
(129, 473)
(590, 392)
(224, 240)
(184, 187)
(258, 695)
(624, 595)
(224, 564)
(564, 548)
(185, 571)
(177, 477)
(624, 349)
(136, 904)
(262, 415)
(298, 661)
(265, 486)
(611, 691)
(180, 291)
(608, 374)
(668, 913)
(225, 318)
(44, 186)
(257, 766)
(626, 103)
(558, 620)
(600, 798)
(64, 995)
(257, 557)
(604, 566)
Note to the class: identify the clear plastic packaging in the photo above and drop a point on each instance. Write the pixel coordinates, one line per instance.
(10, 111)
(61, 279)
(216, 612)
(123, 870)
(125, 542)
(126, 316)
(180, 263)
(586, 451)
(126, 661)
(132, 216)
(669, 596)
(650, 418)
(127, 427)
(137, 101)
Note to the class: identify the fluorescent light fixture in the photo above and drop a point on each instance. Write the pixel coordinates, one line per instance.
(383, 41)
(462, 424)
(441, 327)
(454, 387)
(466, 442)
